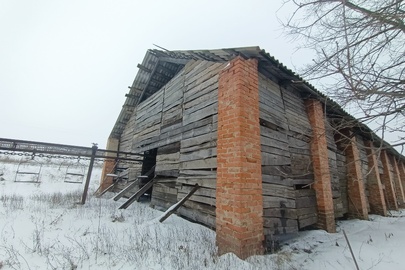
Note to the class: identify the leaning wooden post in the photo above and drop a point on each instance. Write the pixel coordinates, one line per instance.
(176, 206)
(86, 186)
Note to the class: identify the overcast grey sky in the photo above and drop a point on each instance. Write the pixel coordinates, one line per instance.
(65, 66)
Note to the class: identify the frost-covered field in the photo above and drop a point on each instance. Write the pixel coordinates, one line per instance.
(42, 227)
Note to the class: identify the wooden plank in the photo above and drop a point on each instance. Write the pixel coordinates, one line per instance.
(280, 224)
(198, 139)
(169, 149)
(161, 204)
(168, 158)
(200, 114)
(207, 173)
(109, 188)
(174, 208)
(199, 164)
(277, 135)
(278, 180)
(138, 194)
(278, 191)
(265, 141)
(207, 145)
(169, 173)
(283, 171)
(201, 90)
(274, 160)
(304, 202)
(197, 216)
(204, 182)
(213, 95)
(276, 202)
(201, 106)
(125, 190)
(202, 199)
(288, 213)
(204, 208)
(203, 191)
(307, 221)
(167, 167)
(199, 154)
(167, 185)
(162, 201)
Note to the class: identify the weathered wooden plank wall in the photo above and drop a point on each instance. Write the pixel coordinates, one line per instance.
(198, 148)
(180, 120)
(289, 201)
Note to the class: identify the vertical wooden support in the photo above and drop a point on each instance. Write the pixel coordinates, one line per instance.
(401, 168)
(387, 180)
(86, 185)
(398, 183)
(320, 161)
(109, 164)
(374, 185)
(355, 184)
(239, 201)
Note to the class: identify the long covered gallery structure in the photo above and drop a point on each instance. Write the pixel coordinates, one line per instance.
(271, 154)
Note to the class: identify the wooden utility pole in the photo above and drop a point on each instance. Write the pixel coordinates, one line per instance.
(86, 186)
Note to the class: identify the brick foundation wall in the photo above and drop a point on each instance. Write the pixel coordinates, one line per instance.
(376, 193)
(319, 153)
(239, 202)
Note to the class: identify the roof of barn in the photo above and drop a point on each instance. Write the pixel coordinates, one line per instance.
(160, 66)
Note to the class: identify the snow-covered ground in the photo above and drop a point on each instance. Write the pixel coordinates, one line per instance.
(43, 227)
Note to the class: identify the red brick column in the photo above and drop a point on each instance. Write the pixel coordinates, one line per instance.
(357, 203)
(398, 183)
(376, 193)
(401, 168)
(109, 164)
(320, 162)
(387, 180)
(239, 202)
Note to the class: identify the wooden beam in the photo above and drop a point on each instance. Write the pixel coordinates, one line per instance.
(176, 206)
(131, 96)
(142, 67)
(138, 194)
(109, 188)
(125, 190)
(178, 61)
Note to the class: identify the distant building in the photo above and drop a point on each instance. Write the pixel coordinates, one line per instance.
(272, 154)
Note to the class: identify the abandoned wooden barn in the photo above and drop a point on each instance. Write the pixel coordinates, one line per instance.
(272, 154)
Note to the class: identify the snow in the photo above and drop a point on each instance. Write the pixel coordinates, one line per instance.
(43, 227)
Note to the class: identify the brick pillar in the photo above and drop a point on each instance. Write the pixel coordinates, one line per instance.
(108, 166)
(375, 189)
(387, 180)
(320, 162)
(398, 183)
(401, 168)
(357, 202)
(239, 202)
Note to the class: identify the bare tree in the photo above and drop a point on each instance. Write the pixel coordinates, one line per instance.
(359, 60)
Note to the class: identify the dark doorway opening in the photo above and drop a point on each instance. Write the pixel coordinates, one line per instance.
(148, 169)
